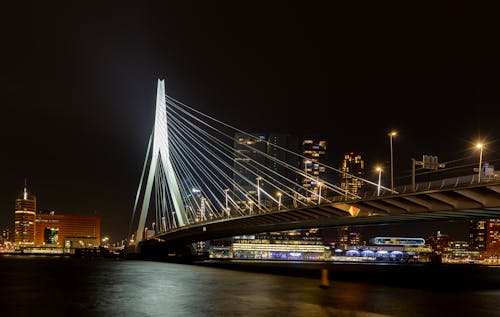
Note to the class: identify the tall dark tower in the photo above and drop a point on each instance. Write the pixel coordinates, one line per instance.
(24, 219)
(276, 149)
(248, 159)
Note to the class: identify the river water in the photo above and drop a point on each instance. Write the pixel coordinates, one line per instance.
(65, 286)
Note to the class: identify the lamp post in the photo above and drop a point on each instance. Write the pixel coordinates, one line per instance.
(319, 193)
(391, 135)
(279, 200)
(480, 147)
(379, 170)
(227, 200)
(258, 192)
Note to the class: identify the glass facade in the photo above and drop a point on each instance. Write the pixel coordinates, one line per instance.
(50, 235)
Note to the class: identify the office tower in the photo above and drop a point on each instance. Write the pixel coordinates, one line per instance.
(352, 165)
(24, 219)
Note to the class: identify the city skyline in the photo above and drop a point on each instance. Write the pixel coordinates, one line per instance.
(78, 88)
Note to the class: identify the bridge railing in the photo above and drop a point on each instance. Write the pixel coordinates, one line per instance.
(435, 184)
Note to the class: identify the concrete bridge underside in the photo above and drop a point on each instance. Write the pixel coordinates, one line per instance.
(464, 202)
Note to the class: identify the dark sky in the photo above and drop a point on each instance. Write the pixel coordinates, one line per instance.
(78, 80)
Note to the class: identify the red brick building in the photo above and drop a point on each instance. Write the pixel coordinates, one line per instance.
(68, 231)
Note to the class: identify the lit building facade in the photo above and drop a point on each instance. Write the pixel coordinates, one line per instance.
(24, 220)
(484, 236)
(493, 238)
(439, 242)
(352, 165)
(314, 151)
(67, 231)
(285, 245)
(347, 238)
(478, 234)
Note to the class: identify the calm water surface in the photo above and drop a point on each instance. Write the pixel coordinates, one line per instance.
(60, 286)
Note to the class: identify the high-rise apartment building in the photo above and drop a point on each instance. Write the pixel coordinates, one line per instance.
(24, 219)
(353, 166)
(314, 151)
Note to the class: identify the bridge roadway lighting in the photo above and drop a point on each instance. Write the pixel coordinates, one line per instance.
(279, 200)
(391, 135)
(480, 147)
(379, 170)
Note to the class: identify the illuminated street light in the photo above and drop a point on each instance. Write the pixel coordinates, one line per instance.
(279, 200)
(480, 147)
(391, 135)
(379, 170)
(227, 198)
(319, 192)
(258, 191)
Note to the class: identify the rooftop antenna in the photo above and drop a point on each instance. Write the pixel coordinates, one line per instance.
(25, 192)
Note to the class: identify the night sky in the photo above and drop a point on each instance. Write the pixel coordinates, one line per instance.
(78, 86)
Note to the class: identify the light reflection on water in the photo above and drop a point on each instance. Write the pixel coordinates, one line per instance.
(53, 286)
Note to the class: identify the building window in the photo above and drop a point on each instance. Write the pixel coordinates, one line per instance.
(50, 235)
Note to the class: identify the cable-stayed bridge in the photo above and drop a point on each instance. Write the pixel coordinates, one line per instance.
(204, 179)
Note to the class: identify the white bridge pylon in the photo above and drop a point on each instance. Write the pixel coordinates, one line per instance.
(160, 164)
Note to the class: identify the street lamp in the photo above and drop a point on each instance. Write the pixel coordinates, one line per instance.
(227, 198)
(279, 200)
(258, 191)
(480, 147)
(319, 193)
(379, 170)
(391, 135)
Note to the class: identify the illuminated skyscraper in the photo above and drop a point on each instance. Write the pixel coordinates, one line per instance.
(24, 219)
(314, 151)
(353, 165)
